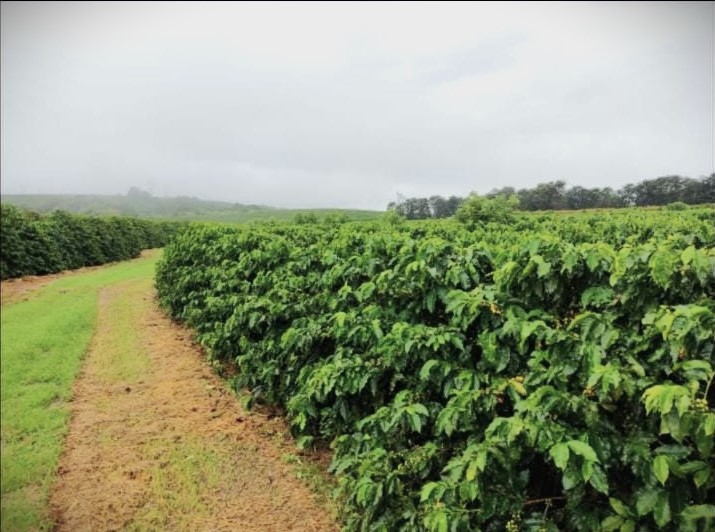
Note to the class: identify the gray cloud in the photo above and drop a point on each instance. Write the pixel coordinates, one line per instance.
(348, 104)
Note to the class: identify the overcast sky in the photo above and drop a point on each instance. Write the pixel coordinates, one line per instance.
(349, 104)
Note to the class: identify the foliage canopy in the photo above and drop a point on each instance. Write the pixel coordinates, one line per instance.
(553, 373)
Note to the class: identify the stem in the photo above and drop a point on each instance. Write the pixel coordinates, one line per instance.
(547, 500)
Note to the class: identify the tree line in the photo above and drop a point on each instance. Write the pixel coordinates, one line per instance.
(36, 244)
(556, 195)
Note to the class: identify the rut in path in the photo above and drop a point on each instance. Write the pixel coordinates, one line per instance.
(169, 448)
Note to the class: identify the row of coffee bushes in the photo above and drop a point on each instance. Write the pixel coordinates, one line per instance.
(552, 373)
(35, 244)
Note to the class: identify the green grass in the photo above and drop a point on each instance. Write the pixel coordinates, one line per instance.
(42, 345)
(118, 350)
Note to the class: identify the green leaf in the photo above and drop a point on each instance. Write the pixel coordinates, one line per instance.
(704, 442)
(481, 460)
(598, 480)
(583, 449)
(611, 523)
(628, 526)
(340, 318)
(690, 467)
(420, 409)
(661, 468)
(586, 470)
(646, 501)
(570, 479)
(427, 368)
(528, 328)
(377, 331)
(662, 264)
(517, 387)
(677, 451)
(703, 365)
(701, 477)
(436, 521)
(446, 420)
(560, 454)
(708, 424)
(596, 295)
(427, 490)
(430, 301)
(618, 507)
(661, 512)
(687, 255)
(543, 267)
(698, 511)
(471, 471)
(415, 422)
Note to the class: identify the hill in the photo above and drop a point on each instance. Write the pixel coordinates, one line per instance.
(144, 205)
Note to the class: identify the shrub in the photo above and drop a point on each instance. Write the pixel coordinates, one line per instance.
(32, 244)
(677, 206)
(480, 210)
(553, 374)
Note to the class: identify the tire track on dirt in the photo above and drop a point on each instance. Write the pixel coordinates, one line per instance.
(171, 448)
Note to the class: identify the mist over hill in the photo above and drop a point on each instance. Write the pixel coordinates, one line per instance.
(142, 204)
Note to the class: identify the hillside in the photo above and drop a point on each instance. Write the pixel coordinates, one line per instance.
(144, 205)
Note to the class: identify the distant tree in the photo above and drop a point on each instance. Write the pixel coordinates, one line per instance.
(453, 203)
(628, 195)
(700, 190)
(609, 198)
(591, 198)
(707, 190)
(661, 190)
(581, 198)
(545, 196)
(421, 208)
(438, 207)
(504, 191)
(414, 208)
(136, 192)
(555, 195)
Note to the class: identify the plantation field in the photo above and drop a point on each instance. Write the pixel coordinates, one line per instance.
(549, 373)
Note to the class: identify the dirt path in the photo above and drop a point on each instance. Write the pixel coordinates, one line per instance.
(156, 442)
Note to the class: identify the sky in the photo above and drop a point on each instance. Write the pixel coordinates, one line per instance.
(351, 104)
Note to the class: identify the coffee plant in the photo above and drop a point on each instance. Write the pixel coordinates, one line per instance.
(35, 244)
(555, 373)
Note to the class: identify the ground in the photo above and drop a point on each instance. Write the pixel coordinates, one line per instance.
(157, 441)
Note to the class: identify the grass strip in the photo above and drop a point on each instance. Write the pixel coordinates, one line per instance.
(118, 351)
(41, 348)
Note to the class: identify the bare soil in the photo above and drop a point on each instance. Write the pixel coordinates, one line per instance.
(173, 449)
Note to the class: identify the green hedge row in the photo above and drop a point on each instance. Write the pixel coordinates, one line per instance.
(34, 244)
(554, 373)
